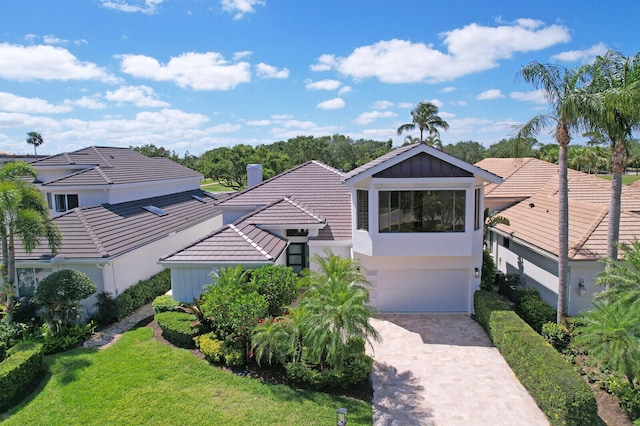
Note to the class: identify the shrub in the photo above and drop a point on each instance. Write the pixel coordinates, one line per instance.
(61, 293)
(19, 370)
(211, 347)
(277, 284)
(106, 309)
(557, 335)
(176, 328)
(164, 303)
(628, 395)
(11, 332)
(485, 304)
(3, 351)
(234, 357)
(488, 272)
(355, 371)
(535, 312)
(65, 337)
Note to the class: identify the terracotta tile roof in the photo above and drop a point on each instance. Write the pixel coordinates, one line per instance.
(522, 176)
(635, 185)
(109, 230)
(315, 186)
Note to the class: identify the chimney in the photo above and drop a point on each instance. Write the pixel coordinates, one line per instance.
(254, 175)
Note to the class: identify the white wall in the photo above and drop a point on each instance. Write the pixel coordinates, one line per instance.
(187, 282)
(131, 192)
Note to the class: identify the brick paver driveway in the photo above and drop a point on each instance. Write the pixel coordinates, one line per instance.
(441, 369)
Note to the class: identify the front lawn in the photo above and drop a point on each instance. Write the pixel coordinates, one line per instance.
(142, 381)
(626, 179)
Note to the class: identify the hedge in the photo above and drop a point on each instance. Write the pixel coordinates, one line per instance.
(176, 328)
(558, 390)
(485, 303)
(19, 370)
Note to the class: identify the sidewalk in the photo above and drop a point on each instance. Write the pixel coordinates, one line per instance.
(108, 336)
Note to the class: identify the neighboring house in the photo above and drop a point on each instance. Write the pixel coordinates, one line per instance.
(413, 218)
(529, 244)
(118, 212)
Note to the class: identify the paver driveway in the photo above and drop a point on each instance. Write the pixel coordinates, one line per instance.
(441, 369)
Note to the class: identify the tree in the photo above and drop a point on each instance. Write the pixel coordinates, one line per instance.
(425, 117)
(36, 140)
(512, 148)
(469, 151)
(560, 86)
(23, 214)
(623, 276)
(491, 220)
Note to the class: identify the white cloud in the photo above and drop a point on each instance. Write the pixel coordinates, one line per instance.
(224, 128)
(12, 103)
(405, 105)
(584, 56)
(240, 55)
(197, 71)
(446, 115)
(469, 49)
(148, 7)
(489, 95)
(335, 103)
(345, 89)
(323, 85)
(267, 71)
(382, 105)
(369, 117)
(140, 96)
(448, 89)
(282, 117)
(536, 96)
(258, 122)
(460, 103)
(88, 103)
(24, 63)
(51, 39)
(240, 7)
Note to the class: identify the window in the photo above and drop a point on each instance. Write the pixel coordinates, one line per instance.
(297, 232)
(298, 256)
(28, 279)
(66, 202)
(421, 211)
(477, 214)
(363, 209)
(49, 202)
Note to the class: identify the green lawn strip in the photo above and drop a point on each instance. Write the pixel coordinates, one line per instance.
(142, 381)
(626, 179)
(214, 187)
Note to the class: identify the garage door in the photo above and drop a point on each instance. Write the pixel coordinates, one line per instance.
(420, 291)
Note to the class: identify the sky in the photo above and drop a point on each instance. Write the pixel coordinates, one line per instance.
(194, 75)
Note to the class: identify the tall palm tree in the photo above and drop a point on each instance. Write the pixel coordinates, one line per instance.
(23, 214)
(425, 117)
(559, 85)
(36, 140)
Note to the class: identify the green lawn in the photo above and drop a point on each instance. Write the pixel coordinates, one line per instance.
(211, 186)
(626, 179)
(142, 381)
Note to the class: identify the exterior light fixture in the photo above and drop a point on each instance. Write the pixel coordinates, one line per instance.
(582, 290)
(477, 271)
(341, 414)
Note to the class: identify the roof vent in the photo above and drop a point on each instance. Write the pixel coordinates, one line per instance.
(155, 210)
(112, 156)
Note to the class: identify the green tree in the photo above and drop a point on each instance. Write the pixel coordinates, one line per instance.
(492, 219)
(469, 151)
(560, 86)
(36, 140)
(24, 214)
(151, 150)
(623, 276)
(425, 117)
(512, 148)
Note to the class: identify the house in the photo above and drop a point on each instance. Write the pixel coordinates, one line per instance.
(529, 245)
(118, 211)
(412, 217)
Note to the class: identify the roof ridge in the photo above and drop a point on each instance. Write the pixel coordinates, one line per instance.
(97, 151)
(321, 164)
(585, 237)
(91, 233)
(104, 175)
(304, 209)
(250, 241)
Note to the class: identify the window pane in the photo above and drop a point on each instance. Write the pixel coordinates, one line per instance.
(383, 215)
(295, 249)
(61, 203)
(422, 211)
(362, 204)
(26, 281)
(72, 201)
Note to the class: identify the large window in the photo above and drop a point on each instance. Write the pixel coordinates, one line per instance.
(421, 211)
(28, 279)
(477, 214)
(66, 202)
(363, 209)
(298, 256)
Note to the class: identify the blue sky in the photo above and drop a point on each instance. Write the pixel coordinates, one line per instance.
(193, 75)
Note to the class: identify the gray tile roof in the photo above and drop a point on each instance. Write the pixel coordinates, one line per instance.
(106, 230)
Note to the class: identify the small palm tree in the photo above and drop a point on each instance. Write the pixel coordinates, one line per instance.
(623, 276)
(425, 117)
(36, 140)
(491, 220)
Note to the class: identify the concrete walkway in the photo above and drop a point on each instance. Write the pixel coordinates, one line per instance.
(441, 369)
(110, 334)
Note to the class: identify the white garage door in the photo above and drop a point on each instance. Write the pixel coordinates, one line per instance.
(420, 291)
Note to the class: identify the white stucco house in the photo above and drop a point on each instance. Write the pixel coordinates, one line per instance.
(413, 218)
(528, 246)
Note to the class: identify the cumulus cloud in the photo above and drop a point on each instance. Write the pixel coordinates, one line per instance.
(335, 103)
(323, 85)
(197, 71)
(489, 95)
(224, 128)
(382, 105)
(147, 7)
(448, 89)
(88, 102)
(140, 96)
(536, 96)
(240, 7)
(24, 63)
(258, 122)
(584, 56)
(51, 39)
(12, 103)
(345, 89)
(470, 49)
(369, 117)
(267, 71)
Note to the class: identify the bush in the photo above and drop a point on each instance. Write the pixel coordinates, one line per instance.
(485, 304)
(277, 284)
(106, 309)
(176, 328)
(19, 370)
(534, 311)
(65, 337)
(355, 371)
(3, 351)
(628, 395)
(164, 303)
(557, 335)
(211, 348)
(488, 272)
(11, 332)
(232, 311)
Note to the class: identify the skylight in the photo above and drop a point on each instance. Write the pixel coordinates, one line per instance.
(155, 210)
(199, 198)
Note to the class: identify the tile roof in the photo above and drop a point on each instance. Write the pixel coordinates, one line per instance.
(108, 165)
(109, 230)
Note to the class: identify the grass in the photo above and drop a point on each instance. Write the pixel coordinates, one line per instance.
(142, 381)
(211, 186)
(626, 179)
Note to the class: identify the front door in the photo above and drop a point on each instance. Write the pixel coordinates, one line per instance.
(298, 256)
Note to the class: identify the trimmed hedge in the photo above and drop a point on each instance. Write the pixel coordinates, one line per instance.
(164, 303)
(176, 328)
(558, 390)
(485, 303)
(19, 370)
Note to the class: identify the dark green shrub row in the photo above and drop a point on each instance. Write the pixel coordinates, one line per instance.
(176, 328)
(558, 390)
(355, 371)
(485, 303)
(19, 370)
(532, 309)
(3, 351)
(488, 278)
(164, 303)
(505, 281)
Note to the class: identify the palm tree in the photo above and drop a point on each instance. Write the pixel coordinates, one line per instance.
(425, 116)
(622, 275)
(23, 214)
(559, 85)
(409, 140)
(434, 141)
(36, 140)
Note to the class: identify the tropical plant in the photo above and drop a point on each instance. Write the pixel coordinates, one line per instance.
(559, 86)
(425, 117)
(623, 276)
(278, 285)
(272, 340)
(24, 214)
(36, 140)
(492, 219)
(335, 309)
